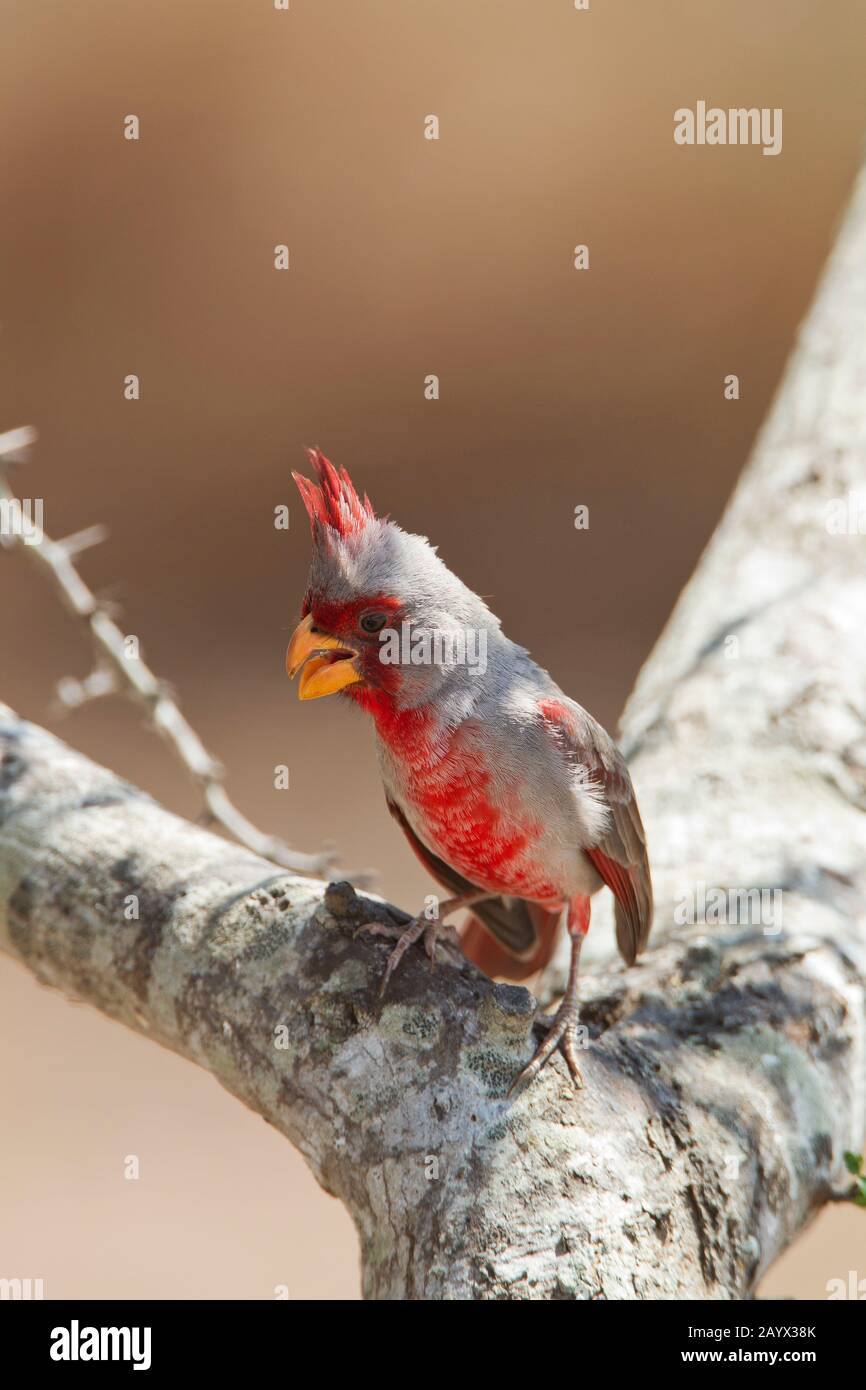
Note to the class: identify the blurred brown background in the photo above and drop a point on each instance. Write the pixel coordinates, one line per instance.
(408, 257)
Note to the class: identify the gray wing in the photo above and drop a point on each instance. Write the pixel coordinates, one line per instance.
(620, 856)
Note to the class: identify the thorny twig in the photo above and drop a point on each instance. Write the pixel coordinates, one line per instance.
(117, 670)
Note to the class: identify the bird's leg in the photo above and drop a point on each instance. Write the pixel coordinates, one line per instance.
(561, 1027)
(430, 924)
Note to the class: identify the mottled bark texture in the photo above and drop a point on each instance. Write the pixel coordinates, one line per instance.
(725, 1074)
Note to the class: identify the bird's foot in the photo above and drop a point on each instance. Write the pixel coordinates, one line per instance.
(432, 930)
(562, 1033)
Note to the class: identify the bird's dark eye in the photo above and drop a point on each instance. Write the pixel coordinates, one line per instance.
(373, 622)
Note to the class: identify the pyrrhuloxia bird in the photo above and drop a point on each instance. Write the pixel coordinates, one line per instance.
(514, 798)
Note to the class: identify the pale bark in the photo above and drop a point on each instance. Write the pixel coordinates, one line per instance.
(725, 1074)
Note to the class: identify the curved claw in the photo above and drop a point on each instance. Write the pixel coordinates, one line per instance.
(568, 1053)
(433, 930)
(408, 936)
(440, 933)
(562, 1036)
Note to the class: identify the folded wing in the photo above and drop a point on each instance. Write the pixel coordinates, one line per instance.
(620, 855)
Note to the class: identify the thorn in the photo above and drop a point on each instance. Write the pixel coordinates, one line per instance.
(73, 693)
(15, 443)
(82, 540)
(109, 607)
(69, 692)
(168, 691)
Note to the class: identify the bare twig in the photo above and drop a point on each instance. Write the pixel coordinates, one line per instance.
(122, 667)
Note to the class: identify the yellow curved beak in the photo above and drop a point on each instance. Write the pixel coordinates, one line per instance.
(326, 665)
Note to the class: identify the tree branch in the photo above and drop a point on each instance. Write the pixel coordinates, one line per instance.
(122, 667)
(726, 1074)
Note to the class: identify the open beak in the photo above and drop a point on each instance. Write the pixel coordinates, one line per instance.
(325, 664)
